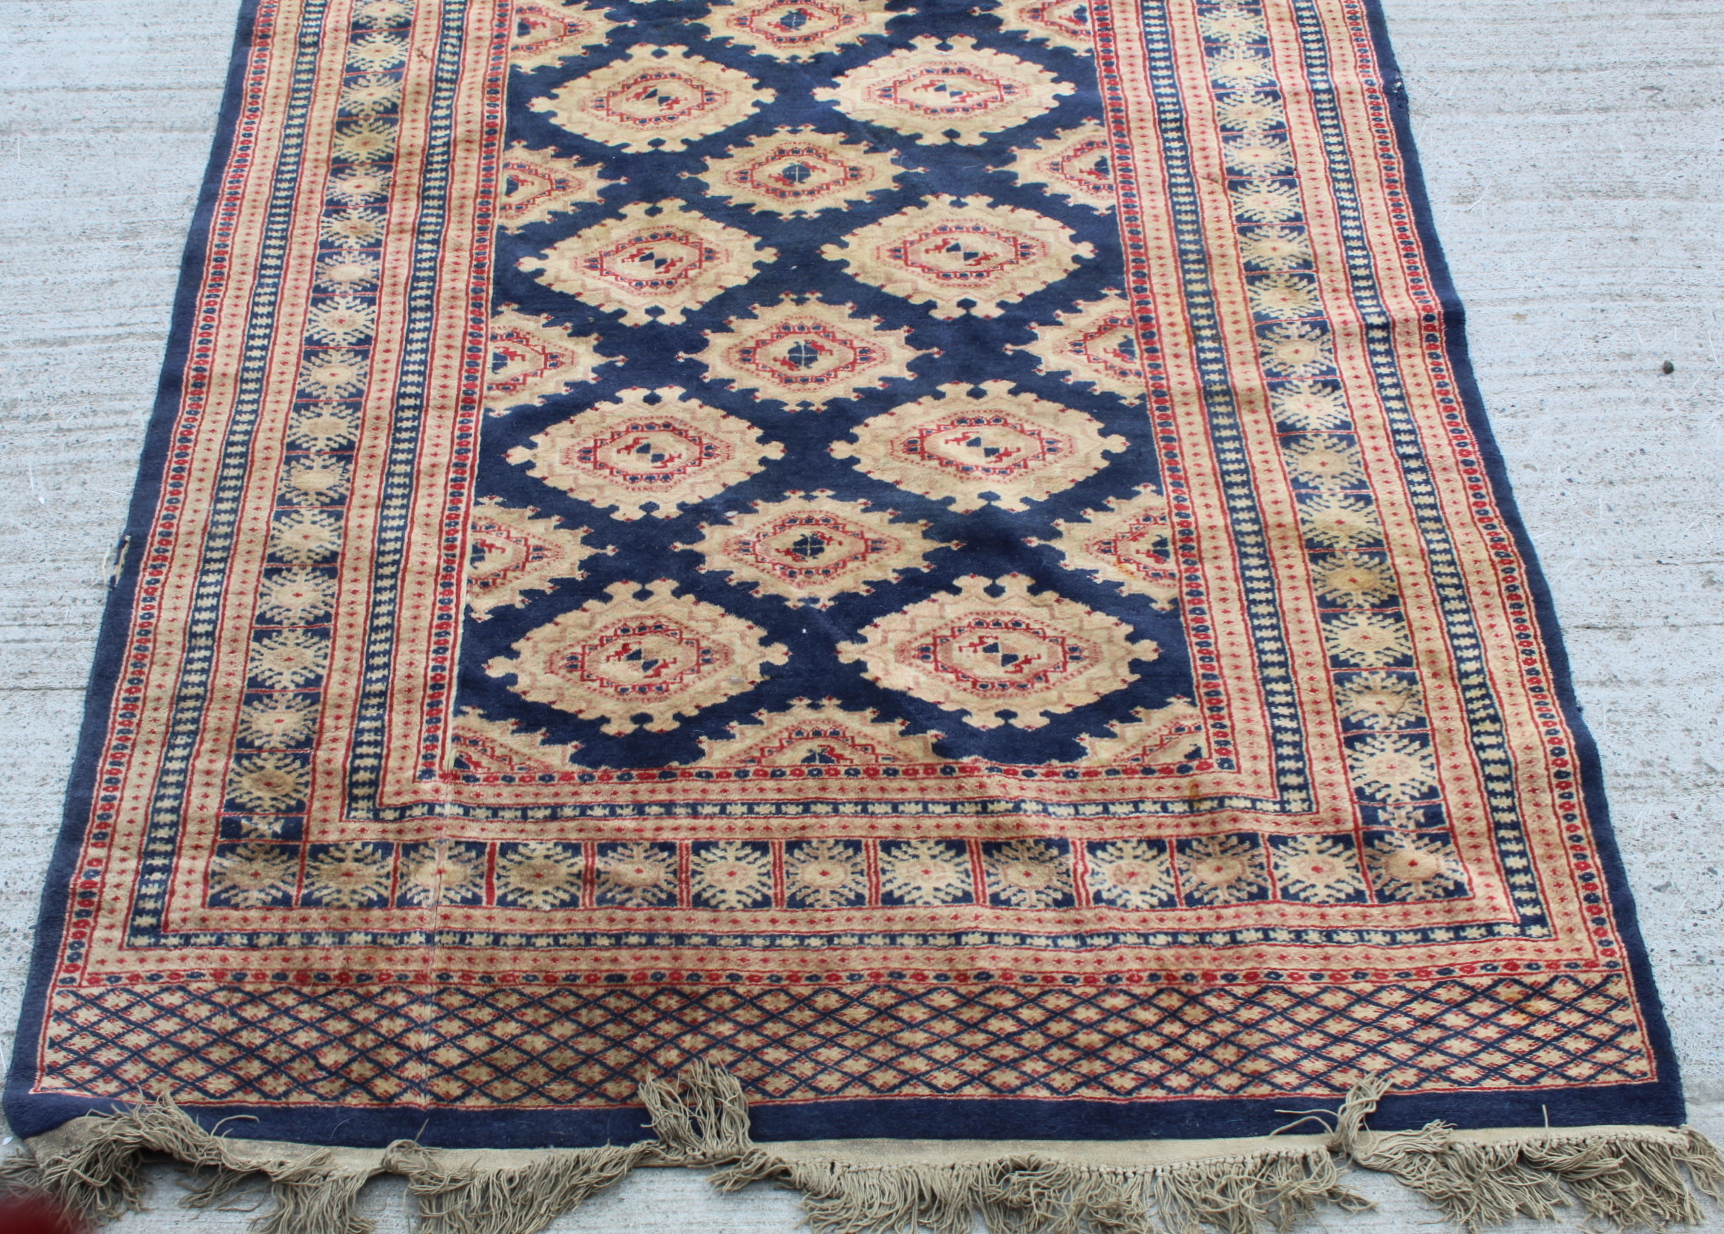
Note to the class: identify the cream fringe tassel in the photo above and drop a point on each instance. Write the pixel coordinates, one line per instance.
(1625, 1177)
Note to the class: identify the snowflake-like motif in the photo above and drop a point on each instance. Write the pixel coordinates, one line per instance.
(637, 875)
(1131, 874)
(1224, 869)
(539, 875)
(925, 872)
(1393, 768)
(1027, 874)
(1318, 869)
(824, 873)
(731, 874)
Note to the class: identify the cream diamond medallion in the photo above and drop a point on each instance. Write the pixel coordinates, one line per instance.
(946, 92)
(960, 257)
(810, 548)
(1059, 23)
(639, 661)
(654, 263)
(546, 33)
(807, 353)
(644, 458)
(1018, 658)
(531, 360)
(655, 99)
(1130, 542)
(798, 171)
(1076, 164)
(797, 29)
(997, 447)
(540, 183)
(1095, 342)
(510, 552)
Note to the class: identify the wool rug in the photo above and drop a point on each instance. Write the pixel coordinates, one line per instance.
(910, 597)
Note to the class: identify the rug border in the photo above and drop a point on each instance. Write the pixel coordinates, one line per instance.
(32, 1114)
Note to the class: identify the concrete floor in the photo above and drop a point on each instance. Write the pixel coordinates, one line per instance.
(1573, 155)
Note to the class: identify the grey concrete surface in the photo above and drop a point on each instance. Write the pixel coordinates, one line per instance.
(1573, 155)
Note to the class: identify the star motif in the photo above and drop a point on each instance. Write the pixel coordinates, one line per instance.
(957, 256)
(798, 171)
(811, 548)
(1019, 658)
(997, 447)
(638, 457)
(946, 92)
(653, 99)
(807, 353)
(656, 262)
(639, 660)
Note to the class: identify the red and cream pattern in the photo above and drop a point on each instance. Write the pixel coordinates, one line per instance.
(995, 447)
(540, 184)
(798, 29)
(532, 360)
(1382, 869)
(646, 452)
(1001, 653)
(946, 91)
(809, 548)
(643, 658)
(655, 97)
(961, 256)
(807, 353)
(801, 171)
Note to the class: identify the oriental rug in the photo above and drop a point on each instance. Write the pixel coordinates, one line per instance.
(906, 573)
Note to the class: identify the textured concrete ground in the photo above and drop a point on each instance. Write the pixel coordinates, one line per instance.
(1573, 155)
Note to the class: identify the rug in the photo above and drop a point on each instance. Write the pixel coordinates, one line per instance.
(910, 597)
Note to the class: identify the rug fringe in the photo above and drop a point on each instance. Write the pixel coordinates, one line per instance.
(1627, 1182)
(1625, 1179)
